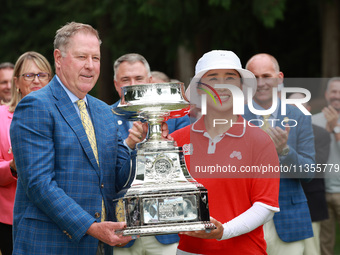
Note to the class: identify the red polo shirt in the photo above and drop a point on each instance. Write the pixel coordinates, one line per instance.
(231, 193)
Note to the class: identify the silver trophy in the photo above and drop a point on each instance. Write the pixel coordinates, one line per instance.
(163, 197)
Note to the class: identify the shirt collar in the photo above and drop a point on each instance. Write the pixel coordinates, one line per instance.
(236, 130)
(274, 114)
(72, 97)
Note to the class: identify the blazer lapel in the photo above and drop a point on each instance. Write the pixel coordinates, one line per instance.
(124, 127)
(281, 117)
(123, 124)
(248, 115)
(97, 120)
(69, 113)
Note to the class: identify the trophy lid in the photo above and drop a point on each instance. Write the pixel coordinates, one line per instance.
(165, 100)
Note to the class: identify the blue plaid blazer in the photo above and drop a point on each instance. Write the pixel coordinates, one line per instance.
(173, 124)
(60, 186)
(293, 222)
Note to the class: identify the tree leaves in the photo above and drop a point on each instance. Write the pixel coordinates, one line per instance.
(269, 11)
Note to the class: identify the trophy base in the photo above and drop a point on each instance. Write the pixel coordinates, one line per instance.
(156, 210)
(168, 229)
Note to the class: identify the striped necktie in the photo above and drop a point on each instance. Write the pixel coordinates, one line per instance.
(85, 119)
(87, 123)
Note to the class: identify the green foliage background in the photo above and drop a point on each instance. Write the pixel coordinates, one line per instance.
(287, 29)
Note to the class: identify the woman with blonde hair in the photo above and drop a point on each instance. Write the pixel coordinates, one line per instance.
(25, 80)
(32, 71)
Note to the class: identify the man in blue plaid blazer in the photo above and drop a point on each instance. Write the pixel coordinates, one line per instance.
(295, 147)
(61, 185)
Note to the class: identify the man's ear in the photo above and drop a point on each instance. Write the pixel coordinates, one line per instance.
(281, 76)
(117, 87)
(326, 95)
(57, 57)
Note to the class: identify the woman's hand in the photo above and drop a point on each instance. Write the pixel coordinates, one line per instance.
(214, 234)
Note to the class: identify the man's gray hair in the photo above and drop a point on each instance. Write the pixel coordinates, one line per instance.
(131, 58)
(65, 33)
(332, 80)
(6, 65)
(160, 75)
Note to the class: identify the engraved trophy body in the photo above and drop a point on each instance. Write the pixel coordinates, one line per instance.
(163, 197)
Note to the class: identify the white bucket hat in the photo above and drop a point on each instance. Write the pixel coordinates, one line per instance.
(219, 59)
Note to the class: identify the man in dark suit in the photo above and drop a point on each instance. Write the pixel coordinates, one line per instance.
(295, 147)
(315, 189)
(133, 69)
(70, 159)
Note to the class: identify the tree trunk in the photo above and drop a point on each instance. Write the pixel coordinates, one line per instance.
(105, 86)
(185, 65)
(330, 38)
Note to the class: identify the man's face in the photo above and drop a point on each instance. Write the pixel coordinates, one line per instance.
(333, 95)
(267, 79)
(79, 68)
(5, 84)
(131, 74)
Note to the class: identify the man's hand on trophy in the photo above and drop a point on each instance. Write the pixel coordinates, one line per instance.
(136, 134)
(106, 232)
(213, 234)
(165, 132)
(139, 131)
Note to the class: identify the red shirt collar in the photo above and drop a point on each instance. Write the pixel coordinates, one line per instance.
(236, 130)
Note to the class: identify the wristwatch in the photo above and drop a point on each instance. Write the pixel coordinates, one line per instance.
(284, 151)
(336, 130)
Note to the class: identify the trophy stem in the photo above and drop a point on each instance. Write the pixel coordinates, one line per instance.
(155, 132)
(155, 128)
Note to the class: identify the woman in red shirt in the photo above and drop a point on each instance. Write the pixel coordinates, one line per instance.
(231, 159)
